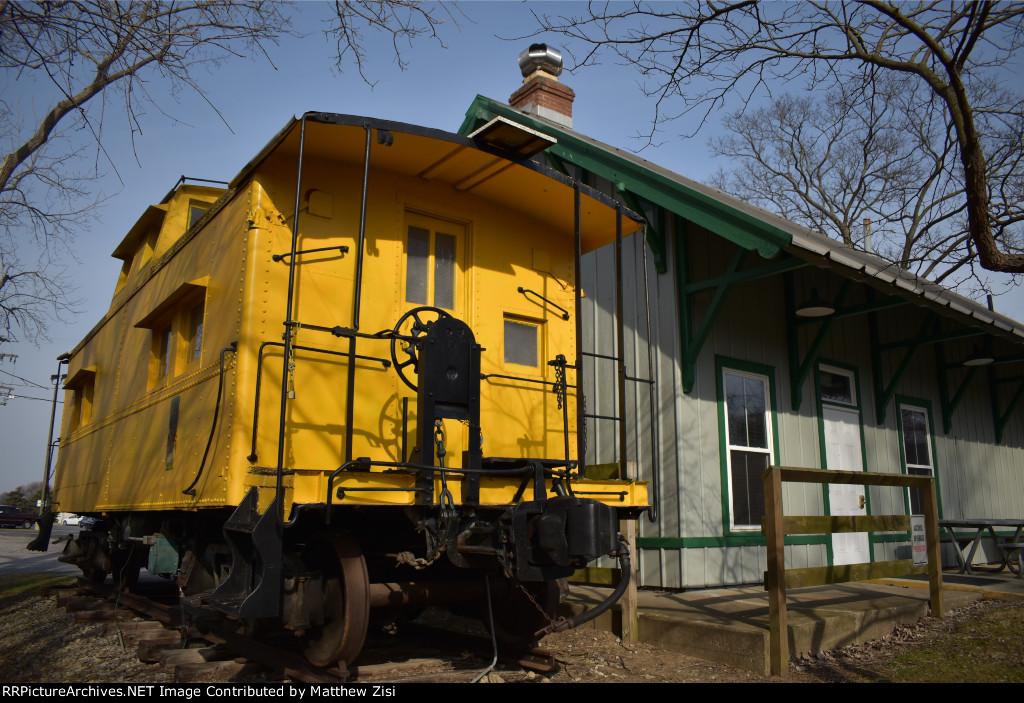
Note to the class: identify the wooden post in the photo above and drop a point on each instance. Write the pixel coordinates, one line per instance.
(931, 526)
(776, 575)
(630, 614)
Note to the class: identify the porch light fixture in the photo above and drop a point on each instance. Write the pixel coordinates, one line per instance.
(977, 358)
(815, 306)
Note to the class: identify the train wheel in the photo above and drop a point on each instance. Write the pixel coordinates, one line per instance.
(523, 609)
(346, 595)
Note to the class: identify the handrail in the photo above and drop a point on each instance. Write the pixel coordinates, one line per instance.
(775, 526)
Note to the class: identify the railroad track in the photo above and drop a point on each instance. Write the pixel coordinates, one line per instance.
(204, 649)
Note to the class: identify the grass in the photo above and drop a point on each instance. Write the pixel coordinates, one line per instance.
(12, 587)
(987, 648)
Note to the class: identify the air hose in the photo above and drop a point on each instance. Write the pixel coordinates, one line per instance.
(233, 347)
(562, 624)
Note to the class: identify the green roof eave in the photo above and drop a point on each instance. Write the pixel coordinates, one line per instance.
(702, 209)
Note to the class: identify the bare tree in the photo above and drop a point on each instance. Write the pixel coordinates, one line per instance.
(401, 20)
(98, 54)
(869, 153)
(697, 57)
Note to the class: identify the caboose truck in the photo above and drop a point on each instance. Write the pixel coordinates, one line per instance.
(281, 475)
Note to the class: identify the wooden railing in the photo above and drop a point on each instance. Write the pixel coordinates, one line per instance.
(775, 526)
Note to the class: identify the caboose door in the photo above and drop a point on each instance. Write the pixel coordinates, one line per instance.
(436, 276)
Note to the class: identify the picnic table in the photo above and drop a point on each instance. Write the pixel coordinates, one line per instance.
(1009, 548)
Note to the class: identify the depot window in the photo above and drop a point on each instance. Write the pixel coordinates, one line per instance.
(747, 423)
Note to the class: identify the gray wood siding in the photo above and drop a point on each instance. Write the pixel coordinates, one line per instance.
(977, 477)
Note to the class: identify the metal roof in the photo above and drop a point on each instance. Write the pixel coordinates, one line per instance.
(747, 225)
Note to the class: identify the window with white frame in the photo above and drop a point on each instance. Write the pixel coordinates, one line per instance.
(917, 450)
(749, 440)
(836, 385)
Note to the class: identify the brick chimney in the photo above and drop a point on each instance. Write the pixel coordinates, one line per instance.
(542, 94)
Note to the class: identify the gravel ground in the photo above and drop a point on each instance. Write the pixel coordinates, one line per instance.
(40, 642)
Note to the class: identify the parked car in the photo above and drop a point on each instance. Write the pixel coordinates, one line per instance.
(69, 519)
(10, 516)
(86, 522)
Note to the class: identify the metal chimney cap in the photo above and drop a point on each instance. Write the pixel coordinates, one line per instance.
(541, 57)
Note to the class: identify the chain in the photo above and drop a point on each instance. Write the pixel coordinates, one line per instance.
(439, 441)
(560, 386)
(447, 521)
(583, 459)
(447, 502)
(521, 587)
(293, 333)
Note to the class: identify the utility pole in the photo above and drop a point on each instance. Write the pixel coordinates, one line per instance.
(40, 543)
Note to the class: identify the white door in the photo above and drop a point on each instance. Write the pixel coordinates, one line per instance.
(842, 453)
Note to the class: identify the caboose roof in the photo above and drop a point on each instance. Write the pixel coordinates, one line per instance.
(504, 178)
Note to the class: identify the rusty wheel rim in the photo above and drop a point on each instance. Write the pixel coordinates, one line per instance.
(346, 591)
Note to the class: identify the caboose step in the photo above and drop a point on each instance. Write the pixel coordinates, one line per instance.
(253, 587)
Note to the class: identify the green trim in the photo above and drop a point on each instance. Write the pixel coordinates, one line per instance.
(692, 341)
(655, 233)
(887, 392)
(863, 309)
(884, 538)
(736, 539)
(927, 406)
(799, 371)
(559, 165)
(932, 339)
(1001, 418)
(949, 405)
(722, 363)
(685, 302)
(714, 308)
(730, 278)
(740, 227)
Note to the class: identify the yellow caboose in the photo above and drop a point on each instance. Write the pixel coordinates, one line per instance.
(350, 371)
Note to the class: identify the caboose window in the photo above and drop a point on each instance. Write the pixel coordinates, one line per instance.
(444, 271)
(162, 351)
(195, 333)
(432, 262)
(195, 213)
(417, 266)
(177, 327)
(520, 343)
(82, 384)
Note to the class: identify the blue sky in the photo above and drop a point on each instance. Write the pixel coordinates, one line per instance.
(257, 101)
